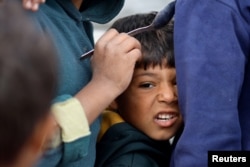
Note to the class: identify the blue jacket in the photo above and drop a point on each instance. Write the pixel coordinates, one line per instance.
(72, 33)
(212, 48)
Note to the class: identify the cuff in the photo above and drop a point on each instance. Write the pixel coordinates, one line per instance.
(72, 119)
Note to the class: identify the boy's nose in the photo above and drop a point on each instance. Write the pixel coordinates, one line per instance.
(167, 94)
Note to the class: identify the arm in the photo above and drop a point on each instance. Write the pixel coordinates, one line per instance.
(210, 67)
(105, 85)
(113, 51)
(112, 71)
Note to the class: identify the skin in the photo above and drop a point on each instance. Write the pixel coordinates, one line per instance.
(32, 4)
(35, 145)
(152, 93)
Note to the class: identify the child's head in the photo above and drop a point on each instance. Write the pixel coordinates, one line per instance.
(27, 86)
(150, 103)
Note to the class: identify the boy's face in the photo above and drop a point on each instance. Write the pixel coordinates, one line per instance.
(150, 102)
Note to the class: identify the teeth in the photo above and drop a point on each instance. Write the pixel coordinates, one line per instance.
(165, 116)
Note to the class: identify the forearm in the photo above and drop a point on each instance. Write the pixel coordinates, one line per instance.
(95, 97)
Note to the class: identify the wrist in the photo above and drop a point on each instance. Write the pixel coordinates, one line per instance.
(95, 97)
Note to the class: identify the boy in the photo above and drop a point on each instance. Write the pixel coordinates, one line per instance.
(147, 116)
(27, 84)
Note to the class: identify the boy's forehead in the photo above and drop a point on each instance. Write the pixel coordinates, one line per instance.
(151, 69)
(146, 63)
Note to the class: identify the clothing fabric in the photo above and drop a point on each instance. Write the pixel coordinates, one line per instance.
(72, 33)
(122, 145)
(73, 125)
(109, 118)
(212, 48)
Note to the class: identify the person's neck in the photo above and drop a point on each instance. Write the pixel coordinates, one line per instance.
(77, 3)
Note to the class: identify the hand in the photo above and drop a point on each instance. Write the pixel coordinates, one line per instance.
(114, 59)
(113, 64)
(32, 4)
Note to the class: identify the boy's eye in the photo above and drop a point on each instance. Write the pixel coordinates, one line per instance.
(174, 82)
(146, 85)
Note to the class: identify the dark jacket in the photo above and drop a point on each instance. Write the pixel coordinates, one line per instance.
(124, 146)
(212, 52)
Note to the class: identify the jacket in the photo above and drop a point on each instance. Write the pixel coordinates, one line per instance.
(212, 50)
(122, 145)
(72, 32)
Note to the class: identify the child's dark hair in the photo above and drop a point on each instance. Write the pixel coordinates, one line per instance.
(157, 45)
(27, 79)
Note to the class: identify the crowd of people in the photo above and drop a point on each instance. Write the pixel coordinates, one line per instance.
(189, 81)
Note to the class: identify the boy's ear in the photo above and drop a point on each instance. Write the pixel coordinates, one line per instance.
(34, 146)
(42, 134)
(113, 106)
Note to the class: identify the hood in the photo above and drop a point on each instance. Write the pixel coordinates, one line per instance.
(109, 118)
(101, 11)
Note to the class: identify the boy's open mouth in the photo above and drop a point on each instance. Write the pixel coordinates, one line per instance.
(165, 116)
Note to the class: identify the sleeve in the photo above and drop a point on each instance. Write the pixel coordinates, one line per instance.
(74, 128)
(72, 119)
(210, 62)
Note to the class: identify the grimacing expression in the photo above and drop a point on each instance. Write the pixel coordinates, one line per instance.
(150, 103)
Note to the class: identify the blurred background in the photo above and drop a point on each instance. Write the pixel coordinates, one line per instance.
(132, 7)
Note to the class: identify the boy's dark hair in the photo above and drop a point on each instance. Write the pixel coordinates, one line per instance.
(27, 78)
(157, 45)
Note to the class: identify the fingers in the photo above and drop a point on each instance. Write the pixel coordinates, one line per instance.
(115, 57)
(114, 43)
(32, 4)
(130, 46)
